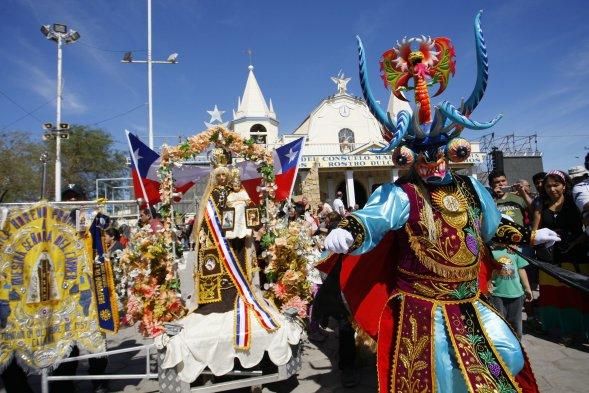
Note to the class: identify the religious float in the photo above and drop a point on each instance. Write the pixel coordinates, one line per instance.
(226, 317)
(60, 289)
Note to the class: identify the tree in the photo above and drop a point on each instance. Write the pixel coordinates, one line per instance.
(87, 155)
(20, 167)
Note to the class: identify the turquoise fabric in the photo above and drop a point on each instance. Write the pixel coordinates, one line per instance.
(502, 336)
(387, 209)
(448, 376)
(491, 216)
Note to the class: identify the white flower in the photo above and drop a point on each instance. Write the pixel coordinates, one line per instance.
(134, 273)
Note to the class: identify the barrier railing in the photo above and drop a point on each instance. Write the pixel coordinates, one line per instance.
(46, 378)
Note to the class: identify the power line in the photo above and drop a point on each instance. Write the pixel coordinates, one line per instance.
(119, 115)
(111, 50)
(29, 113)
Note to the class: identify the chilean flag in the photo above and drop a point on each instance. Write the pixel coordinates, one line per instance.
(144, 165)
(286, 160)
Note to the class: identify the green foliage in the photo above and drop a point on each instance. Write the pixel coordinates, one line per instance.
(267, 171)
(87, 155)
(267, 240)
(20, 167)
(184, 147)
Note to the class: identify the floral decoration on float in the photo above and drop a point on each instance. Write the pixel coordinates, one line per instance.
(150, 261)
(153, 294)
(289, 251)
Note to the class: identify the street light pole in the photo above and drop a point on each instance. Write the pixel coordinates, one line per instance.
(60, 34)
(149, 78)
(128, 58)
(44, 157)
(58, 122)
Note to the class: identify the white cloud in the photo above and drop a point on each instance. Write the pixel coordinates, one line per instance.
(37, 80)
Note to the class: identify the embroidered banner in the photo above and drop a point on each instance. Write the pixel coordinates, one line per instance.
(104, 286)
(46, 302)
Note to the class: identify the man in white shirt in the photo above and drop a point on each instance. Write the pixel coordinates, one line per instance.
(580, 178)
(338, 204)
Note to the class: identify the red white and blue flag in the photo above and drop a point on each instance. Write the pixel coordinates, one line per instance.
(286, 160)
(144, 165)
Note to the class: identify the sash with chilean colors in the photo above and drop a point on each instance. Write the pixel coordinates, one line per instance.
(246, 301)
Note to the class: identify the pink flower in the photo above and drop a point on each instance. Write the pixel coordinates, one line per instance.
(147, 291)
(280, 291)
(298, 304)
(133, 306)
(155, 330)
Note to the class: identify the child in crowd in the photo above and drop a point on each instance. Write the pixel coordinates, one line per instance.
(509, 286)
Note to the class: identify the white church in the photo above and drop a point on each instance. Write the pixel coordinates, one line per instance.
(340, 132)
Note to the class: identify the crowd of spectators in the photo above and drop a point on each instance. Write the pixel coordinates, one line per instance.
(560, 203)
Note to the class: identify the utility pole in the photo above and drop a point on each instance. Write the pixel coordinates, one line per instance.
(128, 58)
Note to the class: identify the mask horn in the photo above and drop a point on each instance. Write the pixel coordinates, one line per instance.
(380, 115)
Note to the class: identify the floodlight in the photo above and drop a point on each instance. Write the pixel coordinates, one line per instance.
(73, 37)
(59, 28)
(128, 57)
(48, 126)
(45, 29)
(64, 126)
(173, 58)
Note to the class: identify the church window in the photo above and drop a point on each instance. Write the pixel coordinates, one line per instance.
(258, 133)
(346, 140)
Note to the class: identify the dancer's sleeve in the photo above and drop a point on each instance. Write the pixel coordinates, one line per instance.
(387, 209)
(491, 216)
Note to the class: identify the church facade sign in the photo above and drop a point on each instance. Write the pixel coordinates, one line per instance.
(363, 160)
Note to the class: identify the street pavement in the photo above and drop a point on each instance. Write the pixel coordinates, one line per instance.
(557, 368)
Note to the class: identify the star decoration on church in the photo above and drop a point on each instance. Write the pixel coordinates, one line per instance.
(216, 119)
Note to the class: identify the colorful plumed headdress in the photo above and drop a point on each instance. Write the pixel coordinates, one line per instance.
(426, 61)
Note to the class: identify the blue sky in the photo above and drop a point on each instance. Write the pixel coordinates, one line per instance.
(538, 51)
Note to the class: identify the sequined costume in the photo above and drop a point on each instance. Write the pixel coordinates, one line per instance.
(433, 317)
(416, 251)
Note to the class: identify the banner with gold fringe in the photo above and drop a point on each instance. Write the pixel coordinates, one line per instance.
(46, 300)
(104, 286)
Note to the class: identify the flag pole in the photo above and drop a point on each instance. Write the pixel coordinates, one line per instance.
(138, 174)
(296, 171)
